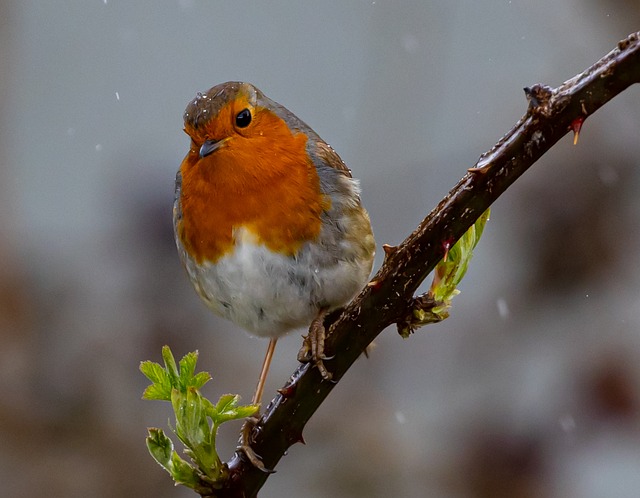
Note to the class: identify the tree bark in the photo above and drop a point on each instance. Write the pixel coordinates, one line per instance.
(389, 298)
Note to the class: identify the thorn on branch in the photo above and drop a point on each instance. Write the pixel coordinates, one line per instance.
(288, 390)
(576, 126)
(479, 169)
(388, 251)
(374, 285)
(446, 245)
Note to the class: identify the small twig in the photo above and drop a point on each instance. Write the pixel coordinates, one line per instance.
(551, 114)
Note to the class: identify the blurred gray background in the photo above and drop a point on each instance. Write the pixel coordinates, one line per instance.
(530, 389)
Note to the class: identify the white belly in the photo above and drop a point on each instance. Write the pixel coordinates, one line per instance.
(269, 294)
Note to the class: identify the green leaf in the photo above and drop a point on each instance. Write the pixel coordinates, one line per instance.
(183, 473)
(164, 379)
(171, 367)
(161, 387)
(187, 368)
(434, 306)
(153, 371)
(157, 391)
(451, 271)
(196, 420)
(200, 379)
(227, 408)
(179, 404)
(160, 447)
(227, 402)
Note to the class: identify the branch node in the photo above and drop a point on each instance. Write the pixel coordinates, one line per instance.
(539, 97)
(419, 312)
(632, 38)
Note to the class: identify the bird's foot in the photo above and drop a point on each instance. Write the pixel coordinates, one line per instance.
(312, 349)
(245, 444)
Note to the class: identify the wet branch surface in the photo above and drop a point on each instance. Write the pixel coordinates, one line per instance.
(389, 298)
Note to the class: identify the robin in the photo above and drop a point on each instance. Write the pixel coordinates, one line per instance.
(268, 219)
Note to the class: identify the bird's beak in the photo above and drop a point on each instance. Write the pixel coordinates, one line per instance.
(210, 146)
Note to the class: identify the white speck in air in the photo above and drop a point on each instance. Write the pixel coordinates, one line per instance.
(503, 308)
(567, 423)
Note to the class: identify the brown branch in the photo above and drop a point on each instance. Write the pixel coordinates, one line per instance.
(390, 296)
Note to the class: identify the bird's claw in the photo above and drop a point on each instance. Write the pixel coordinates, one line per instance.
(245, 445)
(312, 349)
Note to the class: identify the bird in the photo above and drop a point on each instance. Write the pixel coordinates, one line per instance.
(268, 220)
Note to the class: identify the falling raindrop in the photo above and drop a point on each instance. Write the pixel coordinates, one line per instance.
(503, 308)
(567, 423)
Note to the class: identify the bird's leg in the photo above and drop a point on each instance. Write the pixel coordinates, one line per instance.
(250, 423)
(313, 345)
(257, 397)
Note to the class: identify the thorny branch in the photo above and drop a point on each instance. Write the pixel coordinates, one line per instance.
(389, 298)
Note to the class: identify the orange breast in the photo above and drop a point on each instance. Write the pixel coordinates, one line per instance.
(264, 183)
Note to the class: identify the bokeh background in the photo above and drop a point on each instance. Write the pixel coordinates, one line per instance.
(531, 388)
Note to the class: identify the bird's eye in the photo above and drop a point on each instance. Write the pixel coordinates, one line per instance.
(243, 118)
